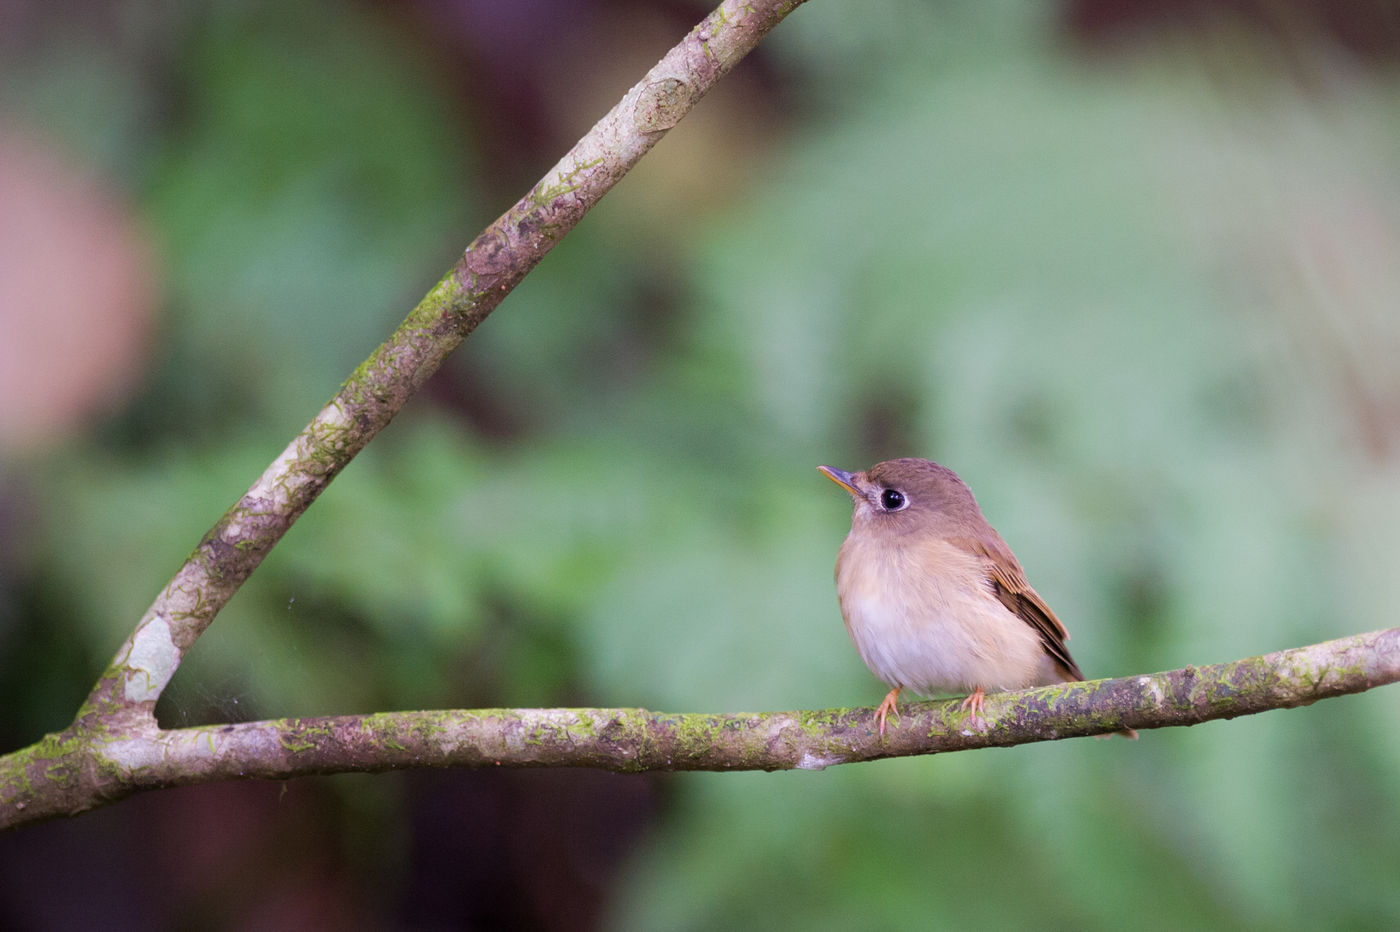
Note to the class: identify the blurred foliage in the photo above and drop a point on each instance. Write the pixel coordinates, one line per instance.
(1103, 287)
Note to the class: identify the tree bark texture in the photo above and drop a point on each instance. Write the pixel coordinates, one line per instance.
(68, 773)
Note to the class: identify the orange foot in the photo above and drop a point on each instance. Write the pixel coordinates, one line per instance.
(974, 703)
(886, 707)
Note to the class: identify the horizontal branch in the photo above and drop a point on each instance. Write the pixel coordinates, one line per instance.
(65, 773)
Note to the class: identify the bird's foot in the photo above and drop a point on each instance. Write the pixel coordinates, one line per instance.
(890, 704)
(973, 704)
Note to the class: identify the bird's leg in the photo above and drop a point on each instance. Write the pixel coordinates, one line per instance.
(974, 703)
(889, 705)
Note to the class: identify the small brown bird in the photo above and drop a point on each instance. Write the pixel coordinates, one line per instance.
(932, 596)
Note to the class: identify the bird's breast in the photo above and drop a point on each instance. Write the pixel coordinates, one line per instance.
(923, 615)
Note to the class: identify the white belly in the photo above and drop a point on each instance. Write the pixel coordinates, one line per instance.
(944, 634)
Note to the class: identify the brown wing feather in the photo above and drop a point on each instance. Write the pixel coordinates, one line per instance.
(1012, 590)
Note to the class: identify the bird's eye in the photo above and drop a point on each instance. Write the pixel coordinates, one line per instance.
(892, 500)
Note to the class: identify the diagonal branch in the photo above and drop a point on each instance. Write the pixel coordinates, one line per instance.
(66, 774)
(495, 262)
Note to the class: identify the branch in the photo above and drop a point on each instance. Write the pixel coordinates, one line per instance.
(67, 773)
(496, 261)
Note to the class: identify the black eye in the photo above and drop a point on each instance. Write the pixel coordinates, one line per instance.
(892, 499)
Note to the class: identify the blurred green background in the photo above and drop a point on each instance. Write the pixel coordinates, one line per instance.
(1133, 270)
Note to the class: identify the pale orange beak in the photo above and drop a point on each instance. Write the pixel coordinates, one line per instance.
(842, 478)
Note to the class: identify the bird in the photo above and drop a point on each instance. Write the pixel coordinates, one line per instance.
(933, 598)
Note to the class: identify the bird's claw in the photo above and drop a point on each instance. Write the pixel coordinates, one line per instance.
(973, 704)
(890, 704)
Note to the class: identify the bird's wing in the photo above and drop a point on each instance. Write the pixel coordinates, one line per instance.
(1009, 584)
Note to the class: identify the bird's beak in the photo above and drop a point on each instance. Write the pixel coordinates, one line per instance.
(842, 478)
